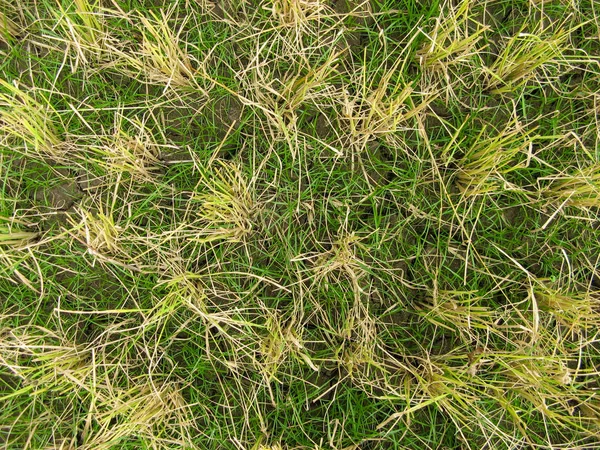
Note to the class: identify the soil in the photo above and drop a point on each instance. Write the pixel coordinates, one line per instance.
(180, 120)
(227, 113)
(62, 196)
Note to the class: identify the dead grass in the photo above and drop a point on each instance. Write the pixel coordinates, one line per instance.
(388, 240)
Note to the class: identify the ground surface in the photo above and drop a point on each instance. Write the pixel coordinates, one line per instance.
(299, 224)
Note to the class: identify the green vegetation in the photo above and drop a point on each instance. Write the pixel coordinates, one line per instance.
(299, 224)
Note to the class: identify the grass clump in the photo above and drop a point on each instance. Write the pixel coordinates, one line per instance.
(299, 224)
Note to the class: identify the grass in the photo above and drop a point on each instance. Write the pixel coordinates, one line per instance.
(299, 224)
